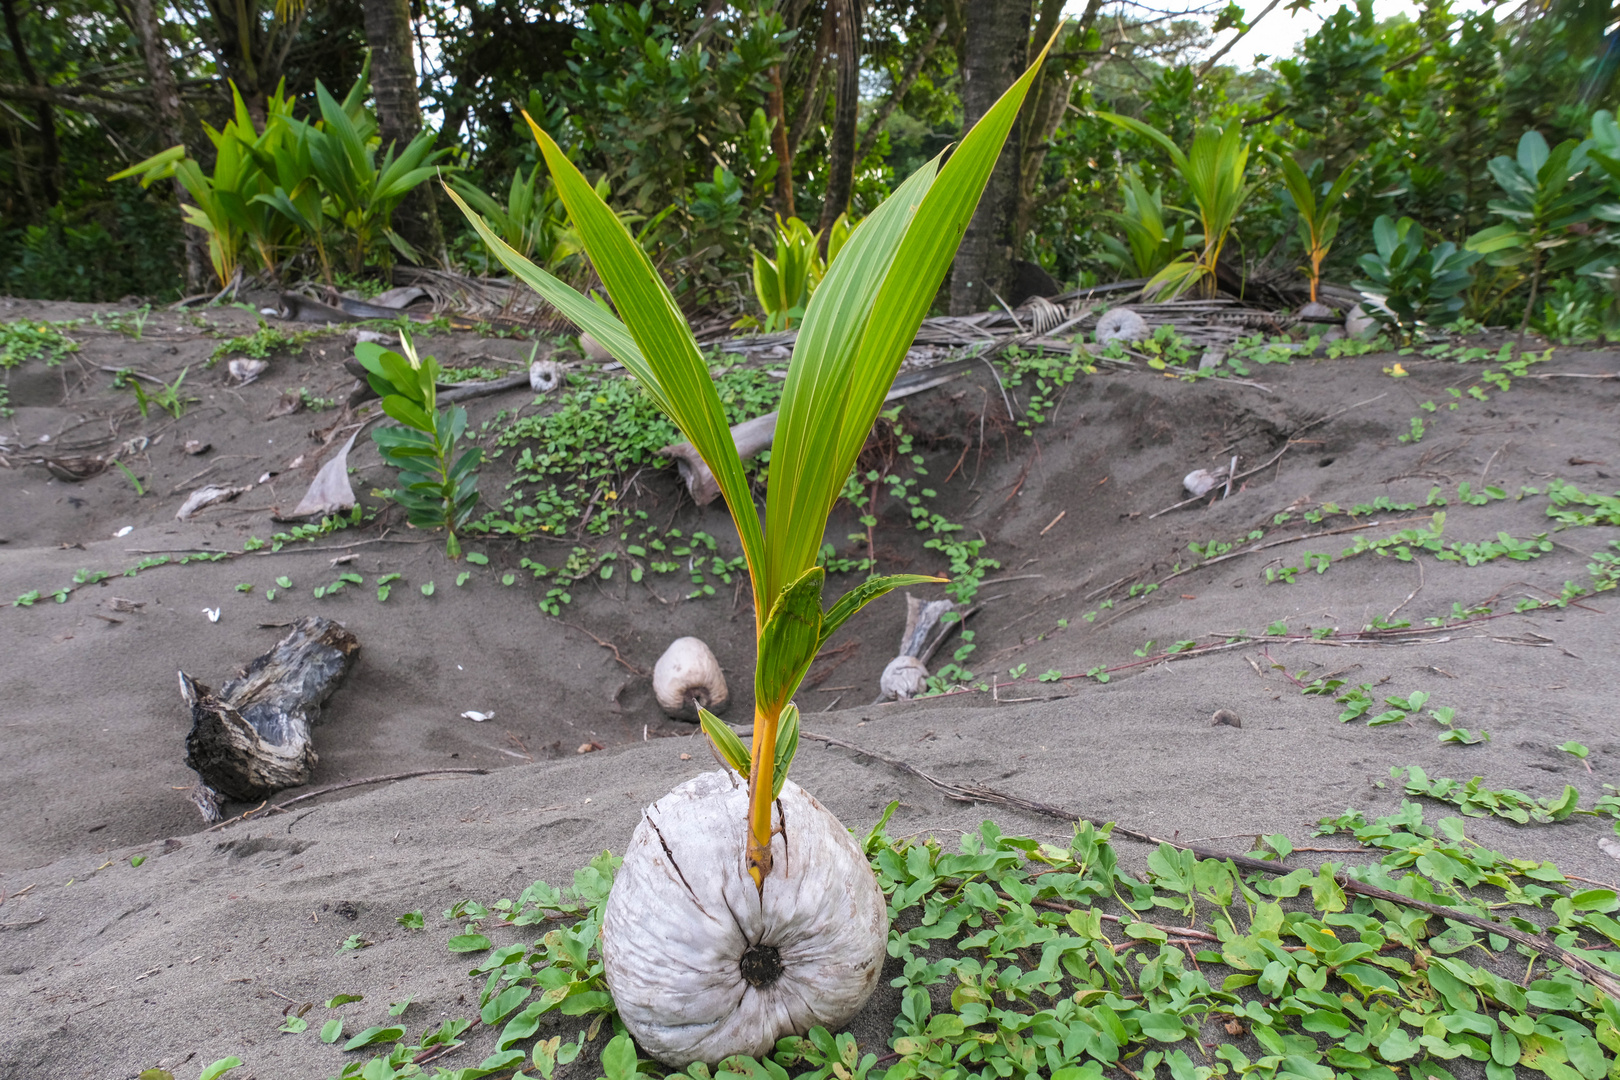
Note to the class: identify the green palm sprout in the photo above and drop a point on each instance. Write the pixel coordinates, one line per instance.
(856, 330)
(1214, 170)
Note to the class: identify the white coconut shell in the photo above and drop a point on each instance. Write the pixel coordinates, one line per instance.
(688, 675)
(683, 911)
(1122, 324)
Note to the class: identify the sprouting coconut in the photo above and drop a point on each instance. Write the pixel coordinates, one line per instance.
(688, 678)
(742, 914)
(806, 951)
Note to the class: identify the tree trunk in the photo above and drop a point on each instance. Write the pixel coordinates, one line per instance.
(50, 160)
(994, 55)
(171, 130)
(399, 114)
(875, 127)
(814, 101)
(841, 140)
(1044, 108)
(777, 108)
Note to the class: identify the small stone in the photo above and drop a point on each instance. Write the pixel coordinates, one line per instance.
(244, 370)
(197, 446)
(1225, 718)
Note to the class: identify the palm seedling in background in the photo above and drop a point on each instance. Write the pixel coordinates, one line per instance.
(295, 177)
(1149, 246)
(785, 283)
(228, 205)
(1214, 172)
(362, 193)
(1318, 221)
(670, 959)
(533, 221)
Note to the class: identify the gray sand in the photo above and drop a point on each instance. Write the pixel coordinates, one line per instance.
(193, 955)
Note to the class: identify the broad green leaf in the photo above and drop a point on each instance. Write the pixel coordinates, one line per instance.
(788, 642)
(220, 1068)
(864, 594)
(731, 749)
(375, 1035)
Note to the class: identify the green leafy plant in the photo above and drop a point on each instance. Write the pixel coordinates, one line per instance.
(532, 221)
(166, 398)
(230, 205)
(1413, 284)
(856, 330)
(362, 192)
(1542, 202)
(1476, 800)
(784, 284)
(438, 486)
(1260, 954)
(1214, 170)
(1150, 245)
(1318, 221)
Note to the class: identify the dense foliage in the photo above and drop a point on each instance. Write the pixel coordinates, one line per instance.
(705, 123)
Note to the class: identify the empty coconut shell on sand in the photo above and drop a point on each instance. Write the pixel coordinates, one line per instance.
(688, 676)
(251, 738)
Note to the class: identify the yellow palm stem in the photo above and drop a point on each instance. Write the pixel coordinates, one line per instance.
(761, 782)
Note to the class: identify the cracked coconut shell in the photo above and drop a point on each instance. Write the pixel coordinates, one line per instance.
(701, 964)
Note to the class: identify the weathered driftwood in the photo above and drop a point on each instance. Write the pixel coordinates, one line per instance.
(907, 674)
(252, 738)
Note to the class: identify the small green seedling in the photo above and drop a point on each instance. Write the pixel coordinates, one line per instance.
(437, 485)
(1573, 747)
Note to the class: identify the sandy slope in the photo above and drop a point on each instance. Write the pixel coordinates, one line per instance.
(176, 960)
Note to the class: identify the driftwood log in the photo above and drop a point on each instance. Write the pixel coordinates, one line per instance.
(755, 436)
(252, 738)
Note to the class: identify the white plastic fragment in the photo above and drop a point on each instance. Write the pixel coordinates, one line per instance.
(125, 531)
(212, 613)
(477, 717)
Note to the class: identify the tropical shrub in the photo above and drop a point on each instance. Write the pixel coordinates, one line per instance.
(1414, 285)
(1543, 199)
(1149, 245)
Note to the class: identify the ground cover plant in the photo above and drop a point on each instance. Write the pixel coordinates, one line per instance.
(1013, 956)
